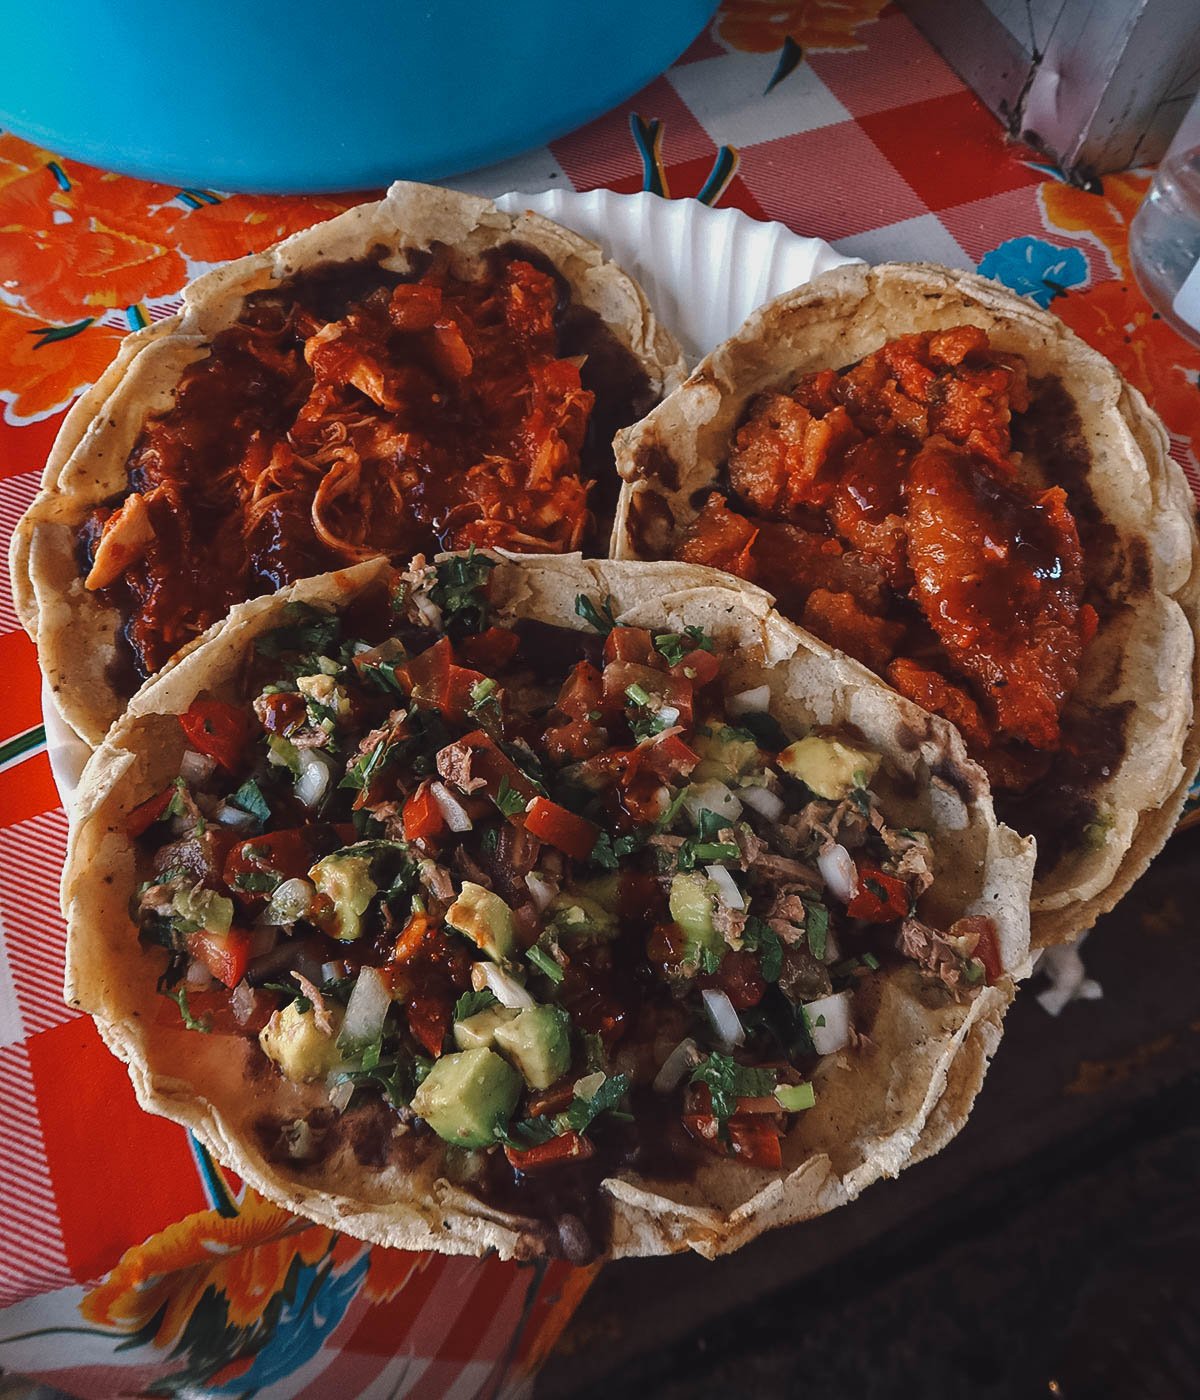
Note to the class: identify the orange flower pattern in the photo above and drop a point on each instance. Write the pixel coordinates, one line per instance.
(762, 26)
(1113, 315)
(245, 1258)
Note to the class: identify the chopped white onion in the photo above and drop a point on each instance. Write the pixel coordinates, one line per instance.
(426, 609)
(198, 975)
(507, 990)
(713, 797)
(195, 767)
(724, 1018)
(340, 1095)
(241, 1002)
(727, 891)
(234, 816)
(455, 815)
(366, 1010)
(669, 715)
(290, 901)
(829, 1022)
(837, 870)
(589, 1086)
(314, 777)
(750, 702)
(331, 971)
(763, 801)
(541, 890)
(685, 1055)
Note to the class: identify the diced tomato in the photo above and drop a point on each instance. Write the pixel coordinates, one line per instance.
(644, 798)
(752, 1137)
(489, 762)
(582, 691)
(739, 977)
(575, 836)
(211, 1006)
(987, 949)
(286, 854)
(423, 819)
(666, 757)
(434, 681)
(429, 1020)
(554, 1099)
(880, 898)
(566, 1147)
(632, 644)
(145, 814)
(756, 1139)
(218, 730)
(668, 689)
(282, 712)
(700, 667)
(574, 741)
(490, 651)
(224, 954)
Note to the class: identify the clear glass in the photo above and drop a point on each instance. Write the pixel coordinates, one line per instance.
(1164, 238)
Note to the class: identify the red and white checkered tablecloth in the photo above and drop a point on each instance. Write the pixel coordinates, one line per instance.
(129, 1263)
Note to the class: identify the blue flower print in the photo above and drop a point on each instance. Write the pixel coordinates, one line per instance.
(1035, 269)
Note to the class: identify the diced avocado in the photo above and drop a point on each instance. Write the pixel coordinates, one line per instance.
(466, 1098)
(301, 1049)
(692, 901)
(326, 692)
(581, 919)
(346, 880)
(479, 1031)
(485, 919)
(795, 1098)
(723, 757)
(604, 890)
(830, 767)
(203, 908)
(538, 1042)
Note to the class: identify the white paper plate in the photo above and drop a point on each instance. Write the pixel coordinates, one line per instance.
(704, 271)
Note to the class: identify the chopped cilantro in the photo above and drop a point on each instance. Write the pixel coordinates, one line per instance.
(601, 618)
(257, 881)
(728, 1081)
(759, 937)
(365, 766)
(383, 675)
(306, 629)
(583, 1112)
(472, 1003)
(177, 807)
(180, 997)
(459, 590)
(509, 800)
(484, 697)
(708, 960)
(816, 928)
(703, 846)
(674, 646)
(291, 992)
(765, 731)
(608, 850)
(542, 960)
(250, 799)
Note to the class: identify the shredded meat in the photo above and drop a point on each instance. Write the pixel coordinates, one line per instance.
(936, 953)
(454, 766)
(320, 1009)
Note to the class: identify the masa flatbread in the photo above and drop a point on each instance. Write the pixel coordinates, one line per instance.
(1143, 558)
(76, 631)
(902, 1093)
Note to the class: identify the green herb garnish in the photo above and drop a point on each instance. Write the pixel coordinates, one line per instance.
(759, 937)
(472, 1003)
(179, 996)
(601, 618)
(674, 646)
(728, 1081)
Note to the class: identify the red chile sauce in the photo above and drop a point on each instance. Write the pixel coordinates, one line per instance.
(213, 547)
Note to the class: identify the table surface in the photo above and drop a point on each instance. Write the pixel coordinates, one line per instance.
(841, 121)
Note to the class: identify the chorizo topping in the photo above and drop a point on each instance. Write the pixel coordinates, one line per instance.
(884, 507)
(533, 948)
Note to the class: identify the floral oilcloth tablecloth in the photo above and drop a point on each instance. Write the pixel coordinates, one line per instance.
(129, 1263)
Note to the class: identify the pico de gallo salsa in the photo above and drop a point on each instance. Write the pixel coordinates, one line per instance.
(353, 411)
(884, 506)
(558, 900)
